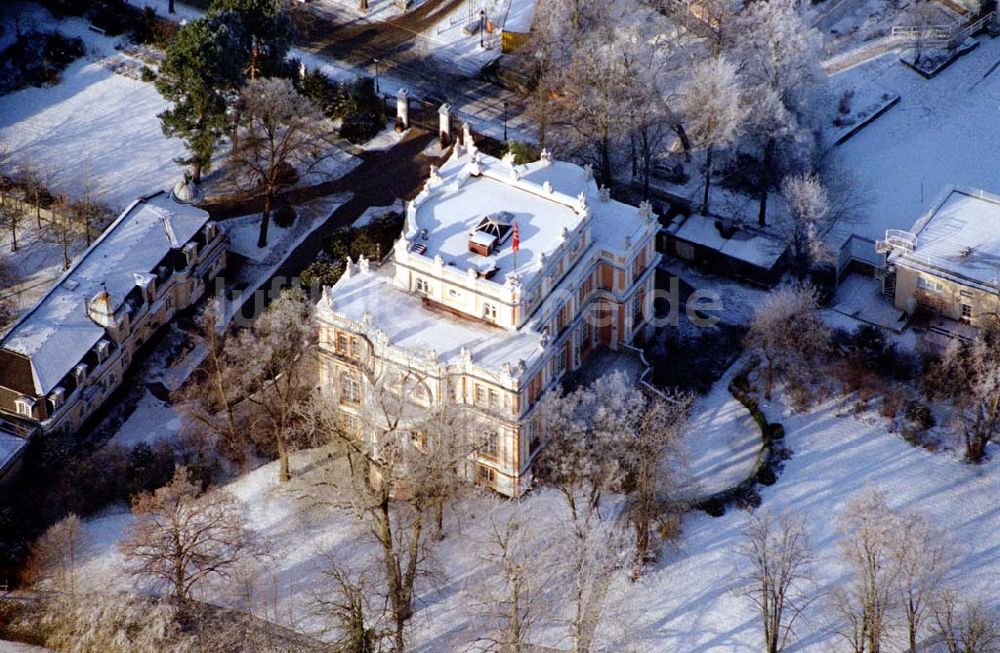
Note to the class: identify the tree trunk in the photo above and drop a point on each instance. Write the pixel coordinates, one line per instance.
(708, 180)
(768, 381)
(38, 210)
(170, 6)
(284, 475)
(196, 172)
(265, 220)
(13, 237)
(765, 181)
(363, 6)
(606, 160)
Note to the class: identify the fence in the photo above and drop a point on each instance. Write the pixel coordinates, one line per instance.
(940, 34)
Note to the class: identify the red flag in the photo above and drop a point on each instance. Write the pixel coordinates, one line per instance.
(517, 240)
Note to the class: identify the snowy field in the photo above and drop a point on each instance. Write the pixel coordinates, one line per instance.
(943, 131)
(687, 602)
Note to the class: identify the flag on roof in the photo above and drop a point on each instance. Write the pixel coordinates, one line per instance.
(516, 242)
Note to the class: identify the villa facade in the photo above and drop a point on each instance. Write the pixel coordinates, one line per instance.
(63, 358)
(505, 278)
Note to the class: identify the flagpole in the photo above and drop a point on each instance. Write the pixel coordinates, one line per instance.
(516, 244)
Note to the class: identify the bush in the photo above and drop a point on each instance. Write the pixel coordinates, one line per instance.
(146, 74)
(321, 273)
(920, 415)
(361, 126)
(524, 152)
(113, 16)
(36, 58)
(284, 217)
(892, 402)
(372, 240)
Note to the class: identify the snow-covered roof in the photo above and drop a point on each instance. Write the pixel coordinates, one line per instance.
(57, 333)
(542, 198)
(745, 245)
(959, 238)
(413, 325)
(519, 16)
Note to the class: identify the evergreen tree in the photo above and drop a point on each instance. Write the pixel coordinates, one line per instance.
(201, 66)
(263, 32)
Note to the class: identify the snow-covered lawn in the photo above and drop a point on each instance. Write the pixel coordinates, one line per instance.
(687, 602)
(92, 127)
(722, 439)
(942, 132)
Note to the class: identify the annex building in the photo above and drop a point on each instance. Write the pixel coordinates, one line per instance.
(949, 262)
(67, 354)
(504, 279)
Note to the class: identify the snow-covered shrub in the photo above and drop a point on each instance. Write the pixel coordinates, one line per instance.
(112, 623)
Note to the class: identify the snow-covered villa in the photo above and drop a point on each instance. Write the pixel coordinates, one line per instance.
(462, 314)
(949, 262)
(66, 355)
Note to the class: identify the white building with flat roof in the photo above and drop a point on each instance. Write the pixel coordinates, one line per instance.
(478, 323)
(949, 261)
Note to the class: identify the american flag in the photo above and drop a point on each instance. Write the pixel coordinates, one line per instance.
(517, 240)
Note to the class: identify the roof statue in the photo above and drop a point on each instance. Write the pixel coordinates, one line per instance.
(186, 192)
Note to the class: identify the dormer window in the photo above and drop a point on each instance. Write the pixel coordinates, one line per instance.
(24, 406)
(422, 286)
(190, 252)
(80, 374)
(103, 348)
(57, 396)
(490, 312)
(211, 230)
(490, 233)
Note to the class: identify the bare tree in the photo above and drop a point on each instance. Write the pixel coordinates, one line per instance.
(808, 222)
(966, 625)
(399, 454)
(271, 366)
(351, 606)
(592, 553)
(787, 333)
(779, 565)
(59, 551)
(654, 464)
(12, 215)
(62, 229)
(777, 54)
(511, 598)
(181, 538)
(89, 209)
(35, 181)
(712, 103)
(867, 527)
(210, 398)
(922, 556)
(282, 135)
(582, 451)
(970, 375)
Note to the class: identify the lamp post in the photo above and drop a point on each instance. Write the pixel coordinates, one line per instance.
(376, 74)
(505, 121)
(482, 28)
